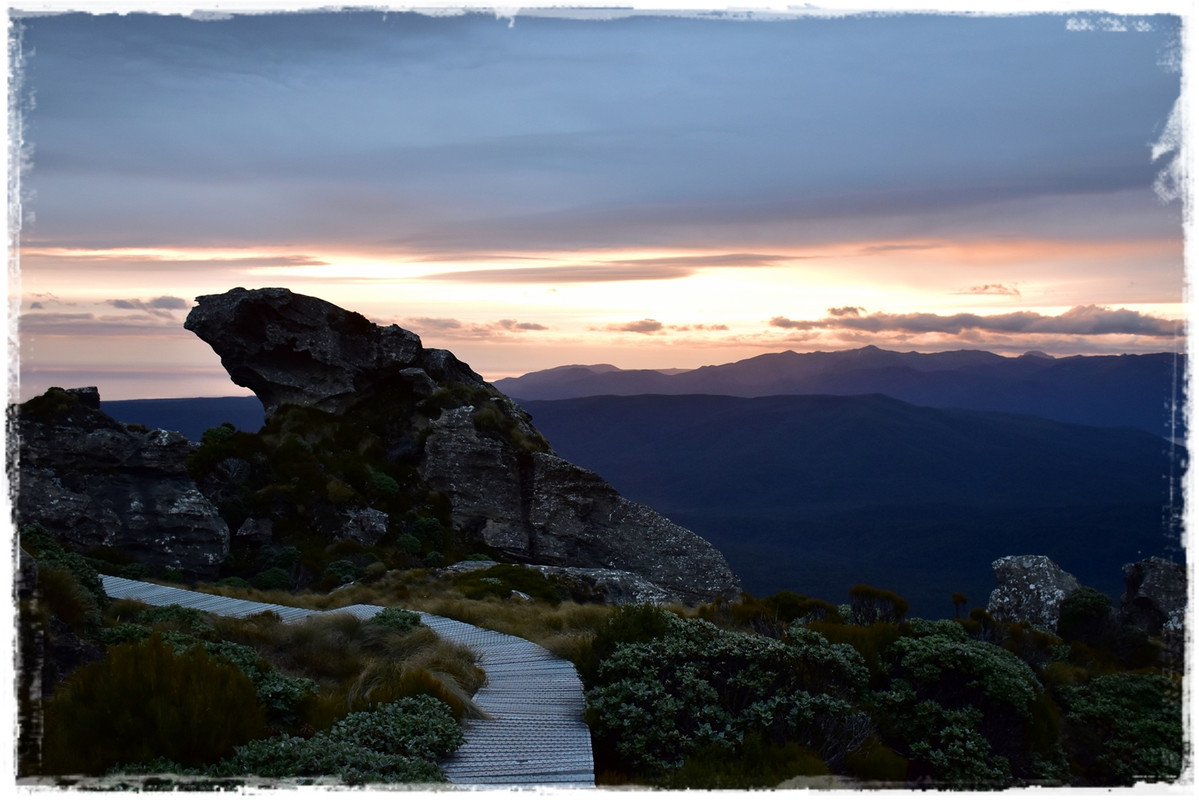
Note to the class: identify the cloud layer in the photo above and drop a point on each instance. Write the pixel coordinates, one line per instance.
(1078, 321)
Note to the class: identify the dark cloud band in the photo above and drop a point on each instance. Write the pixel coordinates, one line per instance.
(1079, 321)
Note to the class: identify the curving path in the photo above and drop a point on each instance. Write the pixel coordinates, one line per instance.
(535, 736)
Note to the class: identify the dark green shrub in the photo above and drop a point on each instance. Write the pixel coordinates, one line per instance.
(418, 726)
(871, 641)
(395, 743)
(145, 701)
(655, 703)
(961, 710)
(408, 543)
(218, 434)
(273, 578)
(434, 559)
(338, 573)
(383, 484)
(234, 582)
(178, 618)
(1086, 616)
(61, 594)
(869, 605)
(398, 619)
(1124, 728)
(76, 597)
(172, 575)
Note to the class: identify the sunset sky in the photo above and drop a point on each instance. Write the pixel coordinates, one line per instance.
(646, 191)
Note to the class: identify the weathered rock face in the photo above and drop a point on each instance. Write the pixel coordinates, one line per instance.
(292, 349)
(537, 507)
(469, 443)
(1031, 588)
(93, 482)
(1155, 595)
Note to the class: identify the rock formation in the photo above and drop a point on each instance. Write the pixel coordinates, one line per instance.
(292, 349)
(1031, 588)
(93, 482)
(469, 443)
(1155, 596)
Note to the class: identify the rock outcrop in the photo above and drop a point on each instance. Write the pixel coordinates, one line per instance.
(1031, 588)
(469, 443)
(1155, 596)
(93, 482)
(293, 349)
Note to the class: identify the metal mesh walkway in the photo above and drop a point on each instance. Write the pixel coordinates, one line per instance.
(535, 736)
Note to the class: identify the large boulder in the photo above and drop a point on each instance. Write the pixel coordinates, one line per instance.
(289, 348)
(1155, 595)
(94, 482)
(469, 443)
(1031, 589)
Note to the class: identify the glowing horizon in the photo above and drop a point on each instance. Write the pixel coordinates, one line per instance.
(633, 191)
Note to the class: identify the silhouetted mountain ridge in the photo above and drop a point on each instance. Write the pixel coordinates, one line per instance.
(1143, 391)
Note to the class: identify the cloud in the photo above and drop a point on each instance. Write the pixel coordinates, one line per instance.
(457, 329)
(76, 257)
(1080, 321)
(992, 288)
(845, 311)
(513, 325)
(640, 326)
(159, 306)
(85, 325)
(634, 269)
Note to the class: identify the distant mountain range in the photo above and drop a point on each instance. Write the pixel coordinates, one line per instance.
(1142, 391)
(816, 493)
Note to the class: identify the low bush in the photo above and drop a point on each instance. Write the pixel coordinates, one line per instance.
(146, 701)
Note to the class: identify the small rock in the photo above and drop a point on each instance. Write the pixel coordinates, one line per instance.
(1031, 588)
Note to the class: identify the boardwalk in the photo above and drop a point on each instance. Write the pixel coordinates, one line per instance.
(536, 735)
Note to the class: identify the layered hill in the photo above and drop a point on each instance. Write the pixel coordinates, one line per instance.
(1143, 391)
(816, 493)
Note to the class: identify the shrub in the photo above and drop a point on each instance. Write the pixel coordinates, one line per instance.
(394, 743)
(338, 573)
(868, 605)
(964, 712)
(145, 701)
(178, 618)
(275, 578)
(289, 756)
(419, 726)
(1086, 616)
(1124, 728)
(218, 434)
(658, 702)
(383, 484)
(397, 619)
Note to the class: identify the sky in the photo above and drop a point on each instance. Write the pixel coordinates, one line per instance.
(646, 190)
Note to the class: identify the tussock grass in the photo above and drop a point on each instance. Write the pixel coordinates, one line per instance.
(359, 664)
(567, 629)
